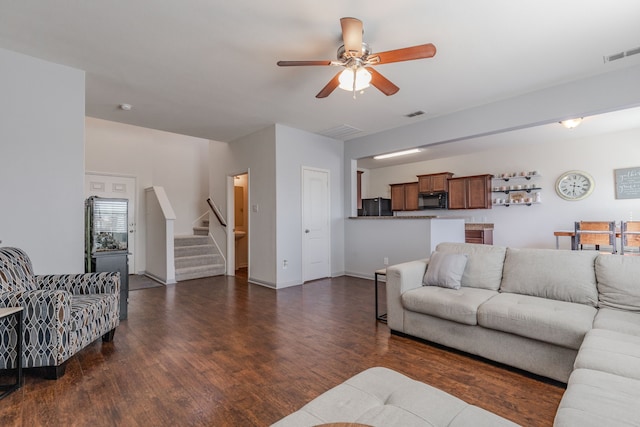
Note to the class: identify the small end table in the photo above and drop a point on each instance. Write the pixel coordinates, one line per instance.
(381, 272)
(17, 313)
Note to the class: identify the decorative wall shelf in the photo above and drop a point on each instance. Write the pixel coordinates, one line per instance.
(521, 191)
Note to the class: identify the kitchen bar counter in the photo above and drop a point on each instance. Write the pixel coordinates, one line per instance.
(386, 241)
(397, 217)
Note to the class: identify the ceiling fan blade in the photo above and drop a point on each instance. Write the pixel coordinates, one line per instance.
(352, 36)
(406, 54)
(330, 87)
(299, 63)
(381, 83)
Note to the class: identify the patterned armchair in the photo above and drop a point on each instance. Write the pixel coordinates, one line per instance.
(62, 313)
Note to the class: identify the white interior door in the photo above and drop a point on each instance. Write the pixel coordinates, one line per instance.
(316, 230)
(119, 187)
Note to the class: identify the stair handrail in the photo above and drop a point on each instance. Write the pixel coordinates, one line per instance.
(217, 212)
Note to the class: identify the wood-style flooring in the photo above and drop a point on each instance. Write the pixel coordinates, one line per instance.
(222, 352)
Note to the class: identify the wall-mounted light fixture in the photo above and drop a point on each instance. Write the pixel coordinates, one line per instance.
(571, 123)
(397, 153)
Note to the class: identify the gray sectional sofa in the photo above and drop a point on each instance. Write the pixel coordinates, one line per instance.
(573, 316)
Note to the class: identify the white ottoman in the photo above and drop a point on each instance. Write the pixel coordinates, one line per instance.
(382, 397)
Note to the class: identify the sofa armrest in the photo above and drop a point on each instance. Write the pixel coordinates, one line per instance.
(400, 279)
(81, 284)
(46, 322)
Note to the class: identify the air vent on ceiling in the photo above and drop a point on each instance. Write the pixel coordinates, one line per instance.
(341, 132)
(415, 113)
(620, 55)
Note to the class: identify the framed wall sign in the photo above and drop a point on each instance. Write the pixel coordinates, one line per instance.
(627, 183)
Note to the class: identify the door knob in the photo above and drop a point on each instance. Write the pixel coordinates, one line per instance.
(306, 231)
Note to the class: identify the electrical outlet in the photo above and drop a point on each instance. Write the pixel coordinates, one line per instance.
(285, 263)
(386, 260)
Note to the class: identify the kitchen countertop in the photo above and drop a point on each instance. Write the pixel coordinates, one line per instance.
(398, 217)
(467, 225)
(478, 226)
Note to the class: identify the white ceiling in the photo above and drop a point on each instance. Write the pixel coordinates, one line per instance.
(207, 68)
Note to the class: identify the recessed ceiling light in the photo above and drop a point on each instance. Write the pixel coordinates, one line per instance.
(125, 107)
(397, 153)
(571, 123)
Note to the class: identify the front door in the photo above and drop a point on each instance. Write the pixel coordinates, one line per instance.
(119, 187)
(316, 230)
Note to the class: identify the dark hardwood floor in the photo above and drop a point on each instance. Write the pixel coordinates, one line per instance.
(221, 352)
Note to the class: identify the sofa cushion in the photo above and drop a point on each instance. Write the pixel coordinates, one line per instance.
(459, 305)
(88, 310)
(596, 399)
(445, 270)
(550, 273)
(612, 352)
(484, 263)
(16, 272)
(627, 322)
(382, 397)
(619, 282)
(556, 322)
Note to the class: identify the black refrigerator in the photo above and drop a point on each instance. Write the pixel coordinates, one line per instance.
(106, 241)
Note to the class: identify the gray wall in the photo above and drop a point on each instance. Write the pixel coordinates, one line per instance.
(274, 158)
(42, 161)
(295, 149)
(255, 154)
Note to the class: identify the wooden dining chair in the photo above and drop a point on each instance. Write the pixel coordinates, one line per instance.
(596, 234)
(630, 237)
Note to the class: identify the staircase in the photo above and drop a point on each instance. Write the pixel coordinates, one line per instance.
(196, 256)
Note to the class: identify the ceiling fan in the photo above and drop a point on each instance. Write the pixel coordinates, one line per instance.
(357, 60)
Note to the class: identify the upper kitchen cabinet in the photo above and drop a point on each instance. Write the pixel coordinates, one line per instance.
(470, 192)
(434, 183)
(404, 197)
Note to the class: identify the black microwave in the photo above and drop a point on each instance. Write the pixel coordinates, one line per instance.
(432, 200)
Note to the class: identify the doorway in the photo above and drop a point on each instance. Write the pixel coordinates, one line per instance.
(241, 224)
(118, 187)
(316, 235)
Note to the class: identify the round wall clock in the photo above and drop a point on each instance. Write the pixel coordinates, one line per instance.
(574, 185)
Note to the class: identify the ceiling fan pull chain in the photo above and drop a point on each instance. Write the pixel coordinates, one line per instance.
(354, 83)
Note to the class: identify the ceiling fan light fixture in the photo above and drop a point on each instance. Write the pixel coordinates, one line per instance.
(362, 79)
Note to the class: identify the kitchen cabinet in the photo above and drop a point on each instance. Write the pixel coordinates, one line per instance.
(470, 192)
(434, 183)
(404, 197)
(483, 237)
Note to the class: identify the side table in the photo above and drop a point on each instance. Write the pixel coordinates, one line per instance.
(16, 312)
(381, 272)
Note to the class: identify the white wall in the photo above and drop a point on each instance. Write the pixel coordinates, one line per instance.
(274, 158)
(178, 163)
(533, 226)
(254, 153)
(42, 161)
(295, 149)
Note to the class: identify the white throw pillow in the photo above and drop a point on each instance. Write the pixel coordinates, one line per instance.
(445, 270)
